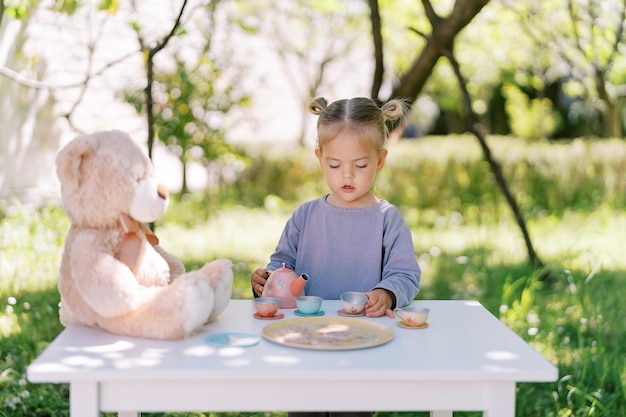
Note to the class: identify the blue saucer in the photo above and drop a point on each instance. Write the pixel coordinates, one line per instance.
(299, 313)
(233, 339)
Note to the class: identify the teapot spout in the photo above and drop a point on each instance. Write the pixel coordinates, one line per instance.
(297, 287)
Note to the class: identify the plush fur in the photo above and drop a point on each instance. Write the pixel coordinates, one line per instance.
(114, 275)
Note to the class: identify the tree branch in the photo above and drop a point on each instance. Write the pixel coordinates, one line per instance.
(432, 16)
(477, 130)
(166, 39)
(443, 34)
(150, 74)
(377, 37)
(30, 83)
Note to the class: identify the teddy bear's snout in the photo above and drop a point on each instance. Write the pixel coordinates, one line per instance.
(150, 200)
(162, 191)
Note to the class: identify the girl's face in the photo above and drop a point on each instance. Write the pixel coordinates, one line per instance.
(350, 166)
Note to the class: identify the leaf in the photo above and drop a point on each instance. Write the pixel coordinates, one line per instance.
(68, 7)
(110, 6)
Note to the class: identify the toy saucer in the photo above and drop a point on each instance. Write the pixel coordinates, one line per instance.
(233, 339)
(344, 313)
(300, 313)
(403, 324)
(274, 317)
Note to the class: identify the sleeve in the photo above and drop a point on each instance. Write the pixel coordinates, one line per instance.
(401, 272)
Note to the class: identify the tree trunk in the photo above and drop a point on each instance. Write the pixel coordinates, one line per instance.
(184, 189)
(441, 43)
(377, 37)
(442, 38)
(611, 113)
(150, 54)
(614, 112)
(477, 130)
(29, 131)
(150, 100)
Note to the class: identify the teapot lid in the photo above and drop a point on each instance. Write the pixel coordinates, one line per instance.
(283, 268)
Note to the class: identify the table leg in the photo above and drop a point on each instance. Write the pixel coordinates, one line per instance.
(441, 413)
(501, 401)
(128, 414)
(84, 399)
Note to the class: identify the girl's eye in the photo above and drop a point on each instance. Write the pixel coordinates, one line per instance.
(333, 166)
(362, 166)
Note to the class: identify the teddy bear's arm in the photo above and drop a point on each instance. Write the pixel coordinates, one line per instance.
(107, 285)
(176, 266)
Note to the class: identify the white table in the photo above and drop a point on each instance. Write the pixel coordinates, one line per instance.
(465, 360)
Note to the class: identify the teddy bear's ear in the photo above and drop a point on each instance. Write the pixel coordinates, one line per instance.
(69, 158)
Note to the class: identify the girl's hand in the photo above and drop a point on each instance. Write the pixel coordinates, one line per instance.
(258, 279)
(379, 303)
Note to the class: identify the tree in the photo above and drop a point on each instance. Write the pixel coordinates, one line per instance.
(201, 129)
(585, 42)
(28, 135)
(444, 32)
(440, 42)
(477, 130)
(150, 54)
(192, 97)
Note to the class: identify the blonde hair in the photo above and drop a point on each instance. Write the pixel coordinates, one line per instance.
(358, 114)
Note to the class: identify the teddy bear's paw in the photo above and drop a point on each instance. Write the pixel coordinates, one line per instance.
(218, 269)
(220, 278)
(220, 274)
(198, 303)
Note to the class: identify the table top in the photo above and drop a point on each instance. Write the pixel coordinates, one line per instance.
(464, 342)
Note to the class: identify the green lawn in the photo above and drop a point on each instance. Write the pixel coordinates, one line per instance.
(468, 247)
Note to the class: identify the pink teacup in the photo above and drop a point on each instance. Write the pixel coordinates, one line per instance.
(266, 306)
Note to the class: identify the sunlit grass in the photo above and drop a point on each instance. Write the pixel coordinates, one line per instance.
(244, 234)
(30, 239)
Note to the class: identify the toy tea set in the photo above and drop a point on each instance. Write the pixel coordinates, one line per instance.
(285, 289)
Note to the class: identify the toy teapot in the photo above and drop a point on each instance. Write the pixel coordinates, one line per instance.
(283, 283)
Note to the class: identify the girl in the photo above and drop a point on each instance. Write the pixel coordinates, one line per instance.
(350, 240)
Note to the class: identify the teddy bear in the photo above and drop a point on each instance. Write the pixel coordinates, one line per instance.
(114, 275)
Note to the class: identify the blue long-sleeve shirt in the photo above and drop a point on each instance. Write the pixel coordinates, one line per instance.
(349, 249)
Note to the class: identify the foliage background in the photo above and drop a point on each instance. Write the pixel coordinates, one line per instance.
(563, 79)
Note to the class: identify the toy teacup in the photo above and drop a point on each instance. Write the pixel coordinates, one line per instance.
(266, 306)
(309, 304)
(353, 302)
(412, 315)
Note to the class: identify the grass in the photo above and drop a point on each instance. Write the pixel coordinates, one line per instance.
(465, 239)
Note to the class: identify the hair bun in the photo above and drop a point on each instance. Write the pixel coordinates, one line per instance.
(394, 109)
(317, 106)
